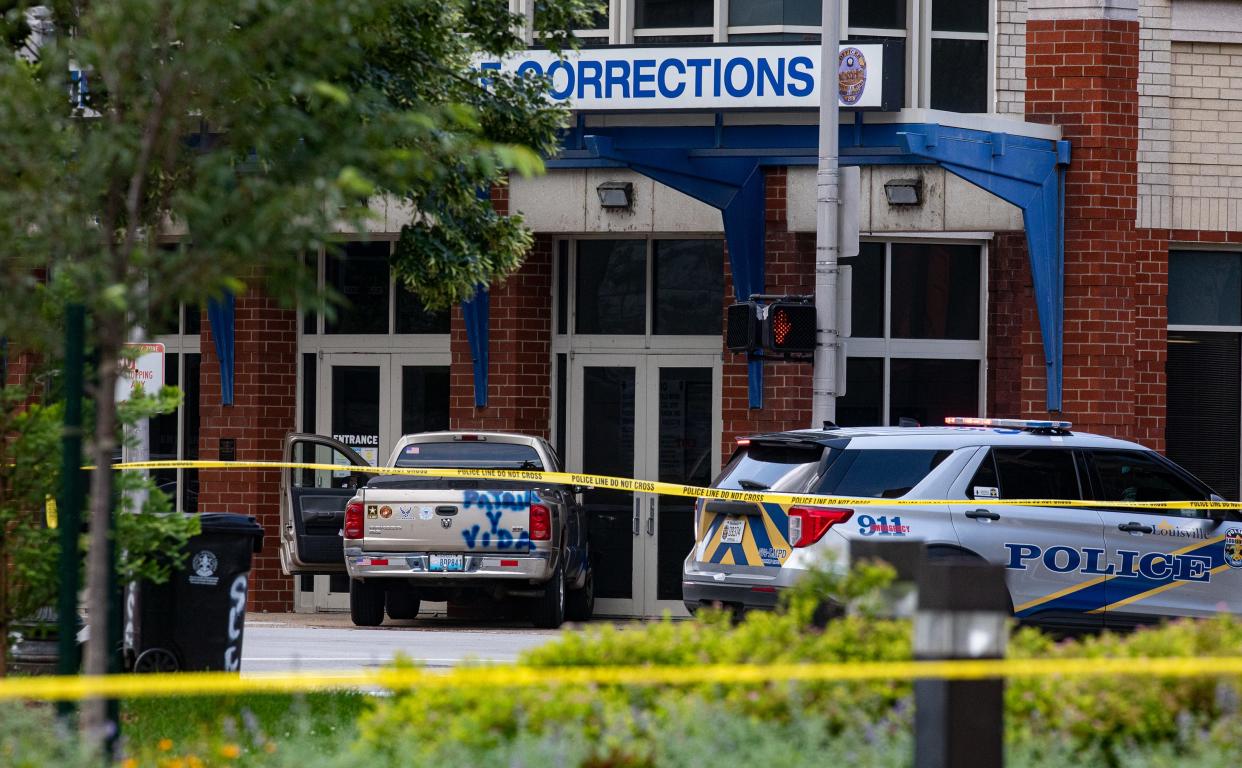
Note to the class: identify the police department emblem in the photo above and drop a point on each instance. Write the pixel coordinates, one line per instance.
(851, 75)
(205, 564)
(1233, 547)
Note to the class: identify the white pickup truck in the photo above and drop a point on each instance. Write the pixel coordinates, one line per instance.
(405, 539)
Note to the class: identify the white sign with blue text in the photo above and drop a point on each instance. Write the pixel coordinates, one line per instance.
(707, 77)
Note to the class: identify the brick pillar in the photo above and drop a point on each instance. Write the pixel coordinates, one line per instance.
(790, 268)
(1015, 353)
(519, 347)
(263, 410)
(1082, 74)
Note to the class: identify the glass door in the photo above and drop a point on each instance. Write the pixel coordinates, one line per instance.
(683, 393)
(605, 409)
(357, 410)
(645, 417)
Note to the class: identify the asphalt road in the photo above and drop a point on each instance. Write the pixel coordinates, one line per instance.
(329, 641)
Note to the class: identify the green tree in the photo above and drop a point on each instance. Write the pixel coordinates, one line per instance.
(255, 128)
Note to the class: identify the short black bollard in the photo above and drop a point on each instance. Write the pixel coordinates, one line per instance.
(962, 614)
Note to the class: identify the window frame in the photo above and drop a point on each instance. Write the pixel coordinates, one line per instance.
(571, 341)
(888, 348)
(917, 35)
(182, 344)
(321, 342)
(1097, 481)
(927, 35)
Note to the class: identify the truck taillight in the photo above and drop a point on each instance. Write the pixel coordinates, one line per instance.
(540, 523)
(808, 525)
(353, 520)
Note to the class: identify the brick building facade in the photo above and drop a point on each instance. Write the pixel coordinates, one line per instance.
(600, 340)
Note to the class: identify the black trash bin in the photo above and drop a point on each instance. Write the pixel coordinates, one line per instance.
(194, 621)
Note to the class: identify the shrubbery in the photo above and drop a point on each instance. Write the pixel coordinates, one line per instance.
(1126, 721)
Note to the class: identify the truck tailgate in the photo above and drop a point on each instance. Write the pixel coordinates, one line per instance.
(446, 520)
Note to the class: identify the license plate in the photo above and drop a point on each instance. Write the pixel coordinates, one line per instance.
(446, 563)
(732, 533)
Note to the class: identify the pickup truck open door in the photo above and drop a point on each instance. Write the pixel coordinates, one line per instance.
(312, 503)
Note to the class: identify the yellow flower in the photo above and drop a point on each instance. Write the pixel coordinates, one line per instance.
(129, 762)
(270, 747)
(165, 745)
(194, 762)
(230, 751)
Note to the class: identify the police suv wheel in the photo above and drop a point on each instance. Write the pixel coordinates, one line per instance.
(366, 603)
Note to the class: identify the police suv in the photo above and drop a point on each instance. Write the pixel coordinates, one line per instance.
(1075, 566)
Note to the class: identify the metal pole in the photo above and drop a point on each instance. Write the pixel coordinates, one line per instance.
(827, 194)
(69, 509)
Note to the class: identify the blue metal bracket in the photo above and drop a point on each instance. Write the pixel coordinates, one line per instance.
(734, 185)
(475, 312)
(221, 314)
(1030, 174)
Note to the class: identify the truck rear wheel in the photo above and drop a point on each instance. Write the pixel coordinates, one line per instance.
(401, 603)
(549, 610)
(366, 603)
(580, 603)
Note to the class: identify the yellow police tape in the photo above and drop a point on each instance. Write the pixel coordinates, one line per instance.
(226, 683)
(667, 489)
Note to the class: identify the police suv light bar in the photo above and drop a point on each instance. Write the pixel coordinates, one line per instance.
(971, 421)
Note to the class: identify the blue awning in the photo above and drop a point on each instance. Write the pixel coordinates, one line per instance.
(721, 166)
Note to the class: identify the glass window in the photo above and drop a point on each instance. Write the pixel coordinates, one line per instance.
(929, 390)
(935, 291)
(562, 286)
(318, 453)
(1036, 473)
(162, 434)
(1205, 288)
(955, 15)
(1201, 430)
(752, 13)
(413, 317)
(356, 408)
(867, 291)
(424, 398)
(984, 485)
(775, 37)
(877, 14)
(673, 13)
(359, 274)
(759, 466)
(882, 474)
(468, 453)
(1140, 476)
(189, 430)
(310, 387)
(689, 286)
(959, 75)
(863, 404)
(611, 287)
(562, 374)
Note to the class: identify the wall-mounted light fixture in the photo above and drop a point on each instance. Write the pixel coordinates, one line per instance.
(615, 194)
(904, 191)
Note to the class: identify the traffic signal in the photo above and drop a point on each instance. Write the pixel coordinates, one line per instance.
(790, 328)
(742, 329)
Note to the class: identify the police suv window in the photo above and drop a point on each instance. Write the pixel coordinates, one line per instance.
(760, 466)
(882, 474)
(1034, 473)
(1139, 476)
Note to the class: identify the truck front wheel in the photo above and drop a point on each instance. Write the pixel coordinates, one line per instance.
(366, 603)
